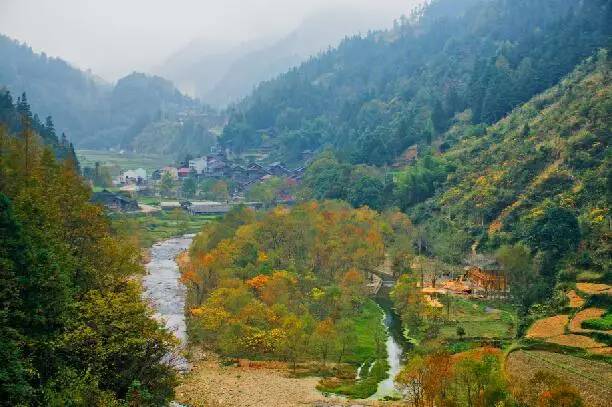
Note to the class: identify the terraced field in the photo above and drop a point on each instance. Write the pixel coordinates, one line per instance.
(593, 379)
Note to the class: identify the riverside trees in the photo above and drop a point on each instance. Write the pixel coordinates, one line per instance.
(73, 328)
(287, 283)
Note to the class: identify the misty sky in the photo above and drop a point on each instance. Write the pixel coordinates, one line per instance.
(116, 37)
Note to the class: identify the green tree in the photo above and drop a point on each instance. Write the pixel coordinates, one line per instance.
(189, 187)
(220, 191)
(166, 184)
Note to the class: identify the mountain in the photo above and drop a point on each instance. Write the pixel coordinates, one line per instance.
(136, 101)
(221, 77)
(540, 177)
(376, 95)
(16, 118)
(91, 112)
(55, 88)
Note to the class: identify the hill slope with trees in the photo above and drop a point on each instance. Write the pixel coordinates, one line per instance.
(74, 329)
(539, 178)
(91, 112)
(374, 96)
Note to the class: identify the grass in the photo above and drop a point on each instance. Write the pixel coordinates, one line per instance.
(151, 228)
(602, 324)
(589, 276)
(368, 326)
(126, 161)
(479, 319)
(150, 200)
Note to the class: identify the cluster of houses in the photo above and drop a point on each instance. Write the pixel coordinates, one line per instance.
(219, 166)
(216, 165)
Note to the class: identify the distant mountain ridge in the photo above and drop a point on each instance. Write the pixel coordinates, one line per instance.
(221, 78)
(91, 112)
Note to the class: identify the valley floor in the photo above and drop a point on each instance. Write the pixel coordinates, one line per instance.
(211, 385)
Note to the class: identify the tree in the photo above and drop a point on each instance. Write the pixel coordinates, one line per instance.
(366, 190)
(325, 337)
(189, 187)
(556, 230)
(115, 338)
(346, 337)
(460, 332)
(220, 191)
(166, 184)
(14, 376)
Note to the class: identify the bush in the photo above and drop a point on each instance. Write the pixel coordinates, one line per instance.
(601, 324)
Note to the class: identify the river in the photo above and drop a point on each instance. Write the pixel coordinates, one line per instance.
(165, 293)
(395, 344)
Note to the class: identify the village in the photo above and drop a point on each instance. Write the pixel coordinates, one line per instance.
(210, 184)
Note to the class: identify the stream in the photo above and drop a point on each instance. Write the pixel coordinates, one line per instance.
(396, 344)
(166, 294)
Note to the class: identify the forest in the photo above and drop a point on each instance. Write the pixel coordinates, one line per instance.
(73, 327)
(485, 56)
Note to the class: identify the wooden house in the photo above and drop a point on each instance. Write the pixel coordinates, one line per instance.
(485, 274)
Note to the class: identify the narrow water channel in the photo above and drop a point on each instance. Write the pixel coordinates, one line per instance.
(396, 346)
(165, 293)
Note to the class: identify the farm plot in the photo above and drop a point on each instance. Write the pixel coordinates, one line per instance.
(575, 301)
(584, 315)
(594, 289)
(593, 379)
(548, 327)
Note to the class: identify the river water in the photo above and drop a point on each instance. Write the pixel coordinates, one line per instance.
(165, 293)
(387, 387)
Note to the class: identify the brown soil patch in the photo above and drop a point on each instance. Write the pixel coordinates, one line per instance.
(145, 256)
(576, 341)
(477, 353)
(593, 379)
(602, 351)
(586, 314)
(575, 301)
(592, 288)
(255, 384)
(548, 327)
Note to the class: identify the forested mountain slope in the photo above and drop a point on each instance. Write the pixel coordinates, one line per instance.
(17, 117)
(540, 177)
(374, 96)
(91, 112)
(53, 86)
(74, 329)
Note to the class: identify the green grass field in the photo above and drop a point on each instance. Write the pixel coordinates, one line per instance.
(602, 324)
(151, 228)
(126, 161)
(478, 319)
(368, 326)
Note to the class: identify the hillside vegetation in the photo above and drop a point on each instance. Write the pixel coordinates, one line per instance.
(73, 327)
(540, 177)
(94, 113)
(376, 95)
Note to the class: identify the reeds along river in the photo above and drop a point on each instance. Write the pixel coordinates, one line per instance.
(165, 292)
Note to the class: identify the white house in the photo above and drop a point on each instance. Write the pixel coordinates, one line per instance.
(199, 165)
